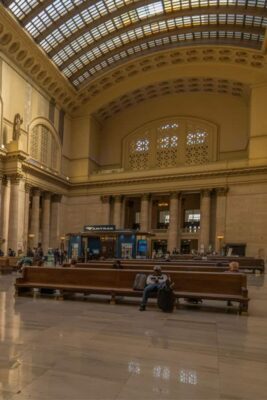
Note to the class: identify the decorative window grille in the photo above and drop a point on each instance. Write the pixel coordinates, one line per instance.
(139, 152)
(197, 147)
(167, 144)
(44, 148)
(171, 143)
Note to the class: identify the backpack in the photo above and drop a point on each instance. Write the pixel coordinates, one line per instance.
(139, 282)
(166, 298)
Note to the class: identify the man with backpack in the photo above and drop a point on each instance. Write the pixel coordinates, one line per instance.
(154, 282)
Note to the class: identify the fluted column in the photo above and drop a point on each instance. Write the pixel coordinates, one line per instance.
(35, 217)
(5, 213)
(16, 214)
(26, 215)
(117, 212)
(204, 236)
(55, 221)
(46, 221)
(220, 217)
(174, 224)
(105, 210)
(144, 214)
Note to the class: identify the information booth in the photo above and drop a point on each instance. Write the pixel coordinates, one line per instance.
(105, 241)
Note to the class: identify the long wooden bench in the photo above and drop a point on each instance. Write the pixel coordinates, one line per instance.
(243, 265)
(141, 267)
(204, 285)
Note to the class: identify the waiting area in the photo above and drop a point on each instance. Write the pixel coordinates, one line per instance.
(95, 350)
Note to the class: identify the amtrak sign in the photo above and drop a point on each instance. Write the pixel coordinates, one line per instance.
(99, 228)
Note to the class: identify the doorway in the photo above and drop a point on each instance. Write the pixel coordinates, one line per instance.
(188, 246)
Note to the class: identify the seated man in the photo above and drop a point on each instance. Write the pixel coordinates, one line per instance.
(154, 282)
(232, 267)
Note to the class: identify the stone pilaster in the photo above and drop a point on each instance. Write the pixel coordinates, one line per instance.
(26, 215)
(204, 235)
(35, 217)
(5, 213)
(46, 221)
(144, 214)
(220, 217)
(55, 221)
(105, 210)
(16, 214)
(174, 224)
(117, 212)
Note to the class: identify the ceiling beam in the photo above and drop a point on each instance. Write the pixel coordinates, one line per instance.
(253, 11)
(264, 43)
(100, 20)
(35, 11)
(207, 28)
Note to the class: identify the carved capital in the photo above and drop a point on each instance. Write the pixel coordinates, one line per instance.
(118, 198)
(36, 192)
(105, 199)
(27, 187)
(47, 195)
(146, 196)
(56, 198)
(222, 191)
(175, 195)
(15, 179)
(206, 192)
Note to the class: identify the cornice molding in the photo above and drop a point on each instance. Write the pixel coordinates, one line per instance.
(20, 48)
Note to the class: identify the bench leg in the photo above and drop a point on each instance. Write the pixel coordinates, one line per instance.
(113, 298)
(243, 307)
(35, 293)
(177, 302)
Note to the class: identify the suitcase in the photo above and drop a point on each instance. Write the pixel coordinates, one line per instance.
(166, 299)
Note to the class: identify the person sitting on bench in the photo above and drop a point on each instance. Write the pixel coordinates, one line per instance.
(154, 282)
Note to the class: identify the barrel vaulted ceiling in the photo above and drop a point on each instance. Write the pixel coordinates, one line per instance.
(86, 39)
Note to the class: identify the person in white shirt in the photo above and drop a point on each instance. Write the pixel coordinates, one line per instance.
(154, 282)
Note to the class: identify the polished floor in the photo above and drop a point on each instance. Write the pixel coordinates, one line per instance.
(91, 350)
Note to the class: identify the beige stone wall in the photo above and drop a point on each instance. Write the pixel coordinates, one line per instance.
(230, 114)
(83, 210)
(246, 217)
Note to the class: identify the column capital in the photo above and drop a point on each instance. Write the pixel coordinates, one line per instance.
(5, 180)
(222, 191)
(175, 195)
(206, 192)
(146, 196)
(15, 179)
(56, 198)
(105, 199)
(28, 187)
(47, 195)
(118, 198)
(36, 191)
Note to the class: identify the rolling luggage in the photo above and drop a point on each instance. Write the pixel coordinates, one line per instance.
(166, 298)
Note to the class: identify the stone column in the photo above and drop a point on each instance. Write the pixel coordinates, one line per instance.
(220, 218)
(46, 221)
(117, 212)
(55, 221)
(204, 235)
(16, 214)
(105, 210)
(5, 213)
(26, 215)
(35, 217)
(174, 224)
(144, 214)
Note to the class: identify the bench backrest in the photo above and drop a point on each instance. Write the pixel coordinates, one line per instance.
(200, 282)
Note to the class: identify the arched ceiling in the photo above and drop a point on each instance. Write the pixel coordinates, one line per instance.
(87, 38)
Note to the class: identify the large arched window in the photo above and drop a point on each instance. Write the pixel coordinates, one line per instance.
(169, 143)
(44, 146)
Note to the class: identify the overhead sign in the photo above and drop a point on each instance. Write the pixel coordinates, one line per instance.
(99, 228)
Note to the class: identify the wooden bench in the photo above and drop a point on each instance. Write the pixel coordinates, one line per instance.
(141, 267)
(204, 285)
(5, 268)
(245, 265)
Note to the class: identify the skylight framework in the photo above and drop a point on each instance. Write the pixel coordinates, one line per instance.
(84, 38)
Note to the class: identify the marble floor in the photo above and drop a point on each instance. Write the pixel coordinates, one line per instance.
(91, 350)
